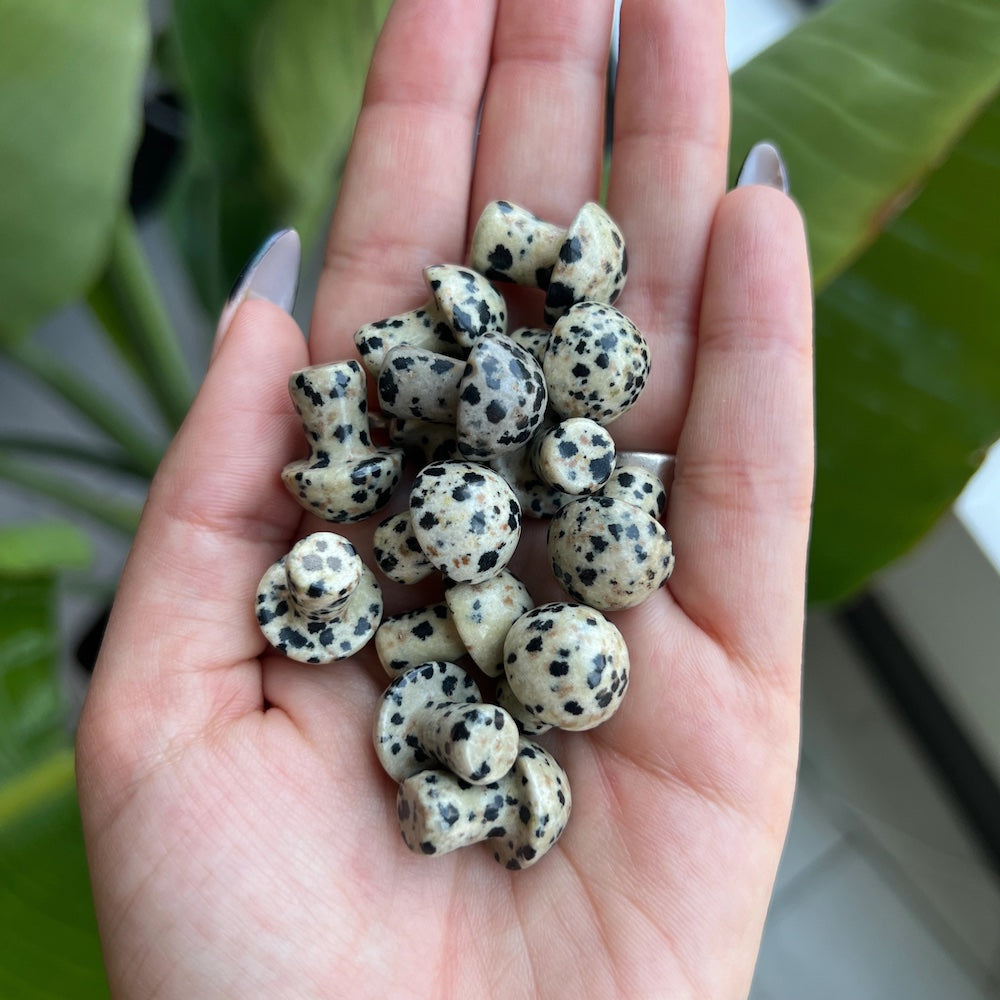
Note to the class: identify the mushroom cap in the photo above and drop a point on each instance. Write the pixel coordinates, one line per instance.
(467, 302)
(609, 553)
(596, 364)
(501, 399)
(510, 243)
(345, 488)
(301, 635)
(544, 802)
(421, 384)
(591, 265)
(466, 519)
(577, 456)
(567, 664)
(537, 498)
(482, 614)
(637, 485)
(397, 551)
(433, 715)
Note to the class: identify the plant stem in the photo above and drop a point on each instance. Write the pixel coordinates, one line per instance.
(144, 455)
(118, 514)
(154, 342)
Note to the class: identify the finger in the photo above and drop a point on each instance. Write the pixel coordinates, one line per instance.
(668, 172)
(216, 516)
(404, 198)
(740, 504)
(542, 132)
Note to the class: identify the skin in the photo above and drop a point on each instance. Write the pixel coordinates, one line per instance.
(242, 838)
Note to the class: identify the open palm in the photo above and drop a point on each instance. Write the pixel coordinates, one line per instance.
(242, 837)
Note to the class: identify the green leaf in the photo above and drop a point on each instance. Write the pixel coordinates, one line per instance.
(30, 549)
(273, 89)
(864, 99)
(223, 206)
(51, 944)
(70, 87)
(908, 370)
(310, 72)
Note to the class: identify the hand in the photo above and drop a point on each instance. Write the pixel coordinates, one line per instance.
(241, 835)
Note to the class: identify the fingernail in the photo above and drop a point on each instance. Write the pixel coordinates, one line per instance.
(272, 273)
(764, 165)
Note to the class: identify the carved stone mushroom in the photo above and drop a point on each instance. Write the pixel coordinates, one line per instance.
(596, 364)
(510, 243)
(496, 400)
(474, 619)
(466, 519)
(319, 603)
(567, 665)
(433, 716)
(608, 553)
(345, 478)
(397, 552)
(576, 456)
(523, 814)
(591, 265)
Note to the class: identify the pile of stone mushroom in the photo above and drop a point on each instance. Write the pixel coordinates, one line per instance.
(505, 425)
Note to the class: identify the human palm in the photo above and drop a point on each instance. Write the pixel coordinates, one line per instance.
(242, 837)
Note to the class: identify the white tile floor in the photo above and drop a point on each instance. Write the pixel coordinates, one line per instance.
(881, 893)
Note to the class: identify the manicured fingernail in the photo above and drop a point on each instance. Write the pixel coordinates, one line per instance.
(272, 273)
(764, 165)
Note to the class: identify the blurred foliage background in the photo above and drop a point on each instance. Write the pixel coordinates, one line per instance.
(888, 117)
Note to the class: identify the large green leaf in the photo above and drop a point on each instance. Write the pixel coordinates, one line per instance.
(908, 370)
(272, 87)
(70, 84)
(50, 934)
(223, 205)
(864, 99)
(311, 62)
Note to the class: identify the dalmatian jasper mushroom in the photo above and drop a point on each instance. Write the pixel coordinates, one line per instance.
(397, 552)
(422, 328)
(469, 304)
(429, 442)
(345, 478)
(511, 244)
(502, 396)
(596, 364)
(473, 620)
(434, 715)
(419, 384)
(319, 603)
(484, 612)
(524, 813)
(466, 519)
(567, 665)
(533, 339)
(526, 722)
(406, 640)
(537, 498)
(636, 485)
(576, 457)
(592, 263)
(608, 553)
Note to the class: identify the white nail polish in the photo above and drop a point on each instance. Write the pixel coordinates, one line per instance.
(764, 165)
(272, 273)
